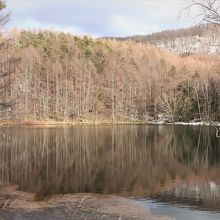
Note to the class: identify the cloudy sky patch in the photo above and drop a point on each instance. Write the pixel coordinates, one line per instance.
(98, 17)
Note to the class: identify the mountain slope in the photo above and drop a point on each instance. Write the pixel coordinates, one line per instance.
(199, 39)
(64, 77)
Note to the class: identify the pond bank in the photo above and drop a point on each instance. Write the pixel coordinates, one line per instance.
(15, 204)
(102, 122)
(71, 123)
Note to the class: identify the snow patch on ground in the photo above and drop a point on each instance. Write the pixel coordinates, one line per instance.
(160, 122)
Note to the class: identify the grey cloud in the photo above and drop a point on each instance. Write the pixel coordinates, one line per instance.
(96, 17)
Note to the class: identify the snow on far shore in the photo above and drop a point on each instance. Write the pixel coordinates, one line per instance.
(187, 123)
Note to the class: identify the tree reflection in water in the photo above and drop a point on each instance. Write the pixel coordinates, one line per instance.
(131, 160)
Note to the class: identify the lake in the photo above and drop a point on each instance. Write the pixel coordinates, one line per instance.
(164, 166)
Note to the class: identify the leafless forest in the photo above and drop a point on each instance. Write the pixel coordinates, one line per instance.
(56, 76)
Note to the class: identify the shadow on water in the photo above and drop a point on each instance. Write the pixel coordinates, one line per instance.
(175, 164)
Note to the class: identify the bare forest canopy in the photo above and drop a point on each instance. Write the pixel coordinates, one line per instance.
(203, 38)
(58, 76)
(199, 30)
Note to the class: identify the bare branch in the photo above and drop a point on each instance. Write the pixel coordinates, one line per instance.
(4, 16)
(208, 11)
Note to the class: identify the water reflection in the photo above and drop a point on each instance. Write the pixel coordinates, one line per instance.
(164, 162)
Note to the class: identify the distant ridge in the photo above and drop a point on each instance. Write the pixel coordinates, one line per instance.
(198, 39)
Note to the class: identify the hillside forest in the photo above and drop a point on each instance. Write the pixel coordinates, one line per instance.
(60, 77)
(203, 38)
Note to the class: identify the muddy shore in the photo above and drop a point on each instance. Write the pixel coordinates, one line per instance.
(17, 205)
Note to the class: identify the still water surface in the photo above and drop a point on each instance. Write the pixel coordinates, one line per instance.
(173, 165)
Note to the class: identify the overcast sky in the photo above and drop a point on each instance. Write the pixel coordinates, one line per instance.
(98, 17)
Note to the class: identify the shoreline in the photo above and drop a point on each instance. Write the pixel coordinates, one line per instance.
(107, 122)
(15, 203)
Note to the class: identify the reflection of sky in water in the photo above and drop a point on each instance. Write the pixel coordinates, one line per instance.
(178, 213)
(203, 195)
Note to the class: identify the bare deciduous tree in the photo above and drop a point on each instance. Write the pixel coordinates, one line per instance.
(7, 63)
(208, 10)
(4, 17)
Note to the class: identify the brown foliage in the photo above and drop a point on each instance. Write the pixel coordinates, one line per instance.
(63, 77)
